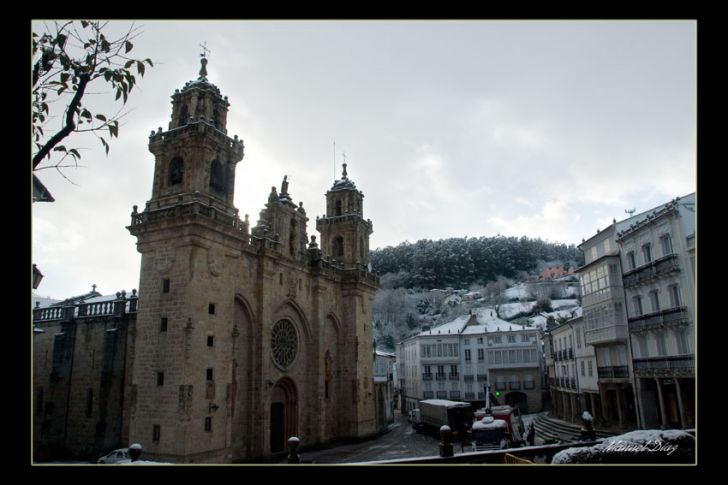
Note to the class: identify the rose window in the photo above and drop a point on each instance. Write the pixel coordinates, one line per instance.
(284, 343)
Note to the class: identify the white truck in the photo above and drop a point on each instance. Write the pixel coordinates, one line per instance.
(434, 413)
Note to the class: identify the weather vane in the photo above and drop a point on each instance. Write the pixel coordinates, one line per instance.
(205, 50)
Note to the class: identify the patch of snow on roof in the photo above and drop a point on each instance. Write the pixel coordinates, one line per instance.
(495, 424)
(518, 291)
(568, 303)
(508, 310)
(446, 402)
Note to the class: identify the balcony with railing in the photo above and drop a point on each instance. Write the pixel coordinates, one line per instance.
(428, 395)
(440, 377)
(610, 333)
(613, 372)
(468, 377)
(679, 365)
(426, 377)
(455, 395)
(482, 377)
(647, 272)
(670, 317)
(453, 376)
(571, 353)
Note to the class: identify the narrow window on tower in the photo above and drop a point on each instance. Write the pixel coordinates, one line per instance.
(338, 207)
(89, 402)
(163, 324)
(160, 378)
(216, 177)
(165, 285)
(210, 341)
(176, 171)
(211, 308)
(208, 423)
(156, 431)
(209, 374)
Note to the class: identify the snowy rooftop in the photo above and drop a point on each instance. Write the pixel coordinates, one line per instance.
(385, 354)
(487, 322)
(445, 402)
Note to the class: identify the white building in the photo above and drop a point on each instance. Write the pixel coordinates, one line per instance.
(384, 363)
(658, 260)
(458, 359)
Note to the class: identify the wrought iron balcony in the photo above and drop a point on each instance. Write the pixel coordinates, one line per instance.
(468, 377)
(647, 272)
(454, 377)
(440, 377)
(613, 372)
(571, 353)
(482, 377)
(670, 317)
(426, 377)
(654, 366)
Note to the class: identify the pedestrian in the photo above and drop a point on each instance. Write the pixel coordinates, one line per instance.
(531, 434)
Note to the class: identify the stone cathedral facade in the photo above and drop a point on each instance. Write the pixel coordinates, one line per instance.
(245, 336)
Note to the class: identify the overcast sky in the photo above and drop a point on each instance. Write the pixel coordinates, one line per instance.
(451, 128)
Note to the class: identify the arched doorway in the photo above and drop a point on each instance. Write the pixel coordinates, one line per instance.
(518, 400)
(283, 414)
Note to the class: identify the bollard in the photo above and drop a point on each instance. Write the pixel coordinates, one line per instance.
(445, 445)
(135, 451)
(293, 444)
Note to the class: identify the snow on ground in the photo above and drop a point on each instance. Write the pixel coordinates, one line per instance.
(518, 291)
(561, 304)
(509, 310)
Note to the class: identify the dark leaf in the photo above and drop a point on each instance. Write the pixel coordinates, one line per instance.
(108, 75)
(59, 148)
(86, 114)
(64, 77)
(140, 68)
(128, 46)
(129, 63)
(106, 145)
(61, 40)
(84, 23)
(118, 93)
(74, 153)
(101, 117)
(149, 61)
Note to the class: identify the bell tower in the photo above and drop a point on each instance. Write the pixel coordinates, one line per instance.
(195, 155)
(344, 231)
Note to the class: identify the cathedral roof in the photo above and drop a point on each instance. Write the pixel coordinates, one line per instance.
(201, 82)
(343, 183)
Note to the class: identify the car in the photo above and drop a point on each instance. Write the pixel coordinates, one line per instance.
(116, 456)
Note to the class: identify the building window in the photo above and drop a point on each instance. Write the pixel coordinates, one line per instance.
(176, 171)
(156, 432)
(163, 324)
(217, 178)
(160, 378)
(480, 340)
(631, 264)
(337, 247)
(655, 301)
(467, 354)
(481, 354)
(211, 308)
(647, 252)
(208, 423)
(661, 347)
(590, 368)
(498, 339)
(210, 341)
(89, 402)
(582, 368)
(524, 338)
(683, 343)
(511, 338)
(338, 208)
(209, 374)
(453, 370)
(666, 244)
(675, 296)
(467, 341)
(578, 338)
(165, 285)
(637, 304)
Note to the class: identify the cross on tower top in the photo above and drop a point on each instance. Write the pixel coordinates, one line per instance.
(93, 287)
(203, 61)
(344, 164)
(205, 50)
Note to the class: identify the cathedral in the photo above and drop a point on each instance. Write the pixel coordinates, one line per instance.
(244, 336)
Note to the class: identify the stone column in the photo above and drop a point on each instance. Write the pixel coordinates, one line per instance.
(663, 413)
(640, 404)
(620, 399)
(681, 407)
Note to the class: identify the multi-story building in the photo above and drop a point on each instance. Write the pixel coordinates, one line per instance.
(573, 386)
(605, 328)
(384, 388)
(81, 350)
(457, 360)
(658, 261)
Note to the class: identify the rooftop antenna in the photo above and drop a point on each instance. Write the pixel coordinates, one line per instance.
(203, 61)
(629, 211)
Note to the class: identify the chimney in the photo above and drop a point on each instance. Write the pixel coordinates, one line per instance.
(472, 320)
